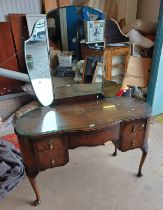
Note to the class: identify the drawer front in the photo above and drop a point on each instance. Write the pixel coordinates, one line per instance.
(133, 126)
(93, 138)
(52, 158)
(133, 141)
(49, 143)
(51, 152)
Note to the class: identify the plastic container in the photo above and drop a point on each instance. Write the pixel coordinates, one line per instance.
(65, 59)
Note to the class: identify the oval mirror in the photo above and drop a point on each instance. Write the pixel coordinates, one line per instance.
(37, 61)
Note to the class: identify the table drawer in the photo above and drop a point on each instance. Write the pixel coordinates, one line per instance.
(51, 152)
(49, 143)
(52, 158)
(133, 141)
(133, 127)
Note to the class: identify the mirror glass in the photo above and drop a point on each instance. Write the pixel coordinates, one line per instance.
(37, 61)
(66, 30)
(74, 39)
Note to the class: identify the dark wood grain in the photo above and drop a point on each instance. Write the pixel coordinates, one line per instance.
(20, 34)
(94, 138)
(86, 51)
(81, 116)
(8, 60)
(45, 141)
(51, 154)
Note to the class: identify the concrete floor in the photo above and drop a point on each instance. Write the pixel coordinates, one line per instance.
(94, 180)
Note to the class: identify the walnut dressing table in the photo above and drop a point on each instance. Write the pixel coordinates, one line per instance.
(47, 133)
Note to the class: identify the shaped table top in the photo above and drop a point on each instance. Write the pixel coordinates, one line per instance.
(82, 116)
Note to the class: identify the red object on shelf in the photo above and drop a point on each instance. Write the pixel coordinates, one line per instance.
(120, 93)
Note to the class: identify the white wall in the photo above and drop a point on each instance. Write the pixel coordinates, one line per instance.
(19, 6)
(148, 9)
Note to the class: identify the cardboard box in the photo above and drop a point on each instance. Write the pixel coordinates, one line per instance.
(138, 72)
(65, 59)
(94, 31)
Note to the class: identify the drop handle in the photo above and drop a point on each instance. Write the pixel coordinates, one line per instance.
(52, 161)
(132, 142)
(143, 125)
(51, 145)
(134, 129)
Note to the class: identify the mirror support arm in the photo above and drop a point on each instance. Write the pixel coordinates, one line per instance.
(14, 75)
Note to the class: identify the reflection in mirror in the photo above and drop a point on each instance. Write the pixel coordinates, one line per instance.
(49, 123)
(66, 36)
(80, 65)
(37, 61)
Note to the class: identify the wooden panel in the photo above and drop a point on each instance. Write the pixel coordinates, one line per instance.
(90, 115)
(109, 7)
(86, 51)
(51, 152)
(148, 10)
(49, 5)
(127, 9)
(62, 3)
(93, 138)
(133, 141)
(8, 60)
(20, 34)
(78, 2)
(130, 127)
(114, 51)
(131, 10)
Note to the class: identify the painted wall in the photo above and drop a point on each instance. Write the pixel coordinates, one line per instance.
(148, 9)
(19, 6)
(155, 90)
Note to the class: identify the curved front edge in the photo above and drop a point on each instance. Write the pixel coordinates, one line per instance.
(94, 137)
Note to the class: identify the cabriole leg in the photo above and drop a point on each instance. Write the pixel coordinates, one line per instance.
(35, 188)
(144, 155)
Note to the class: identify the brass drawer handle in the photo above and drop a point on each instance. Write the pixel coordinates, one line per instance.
(132, 142)
(52, 161)
(143, 125)
(134, 129)
(51, 144)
